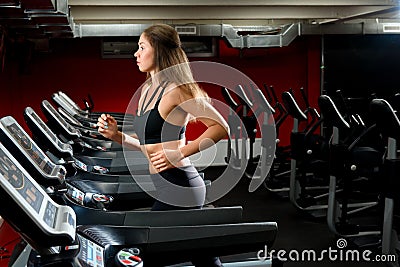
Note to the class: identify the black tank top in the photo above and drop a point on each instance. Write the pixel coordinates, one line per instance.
(150, 127)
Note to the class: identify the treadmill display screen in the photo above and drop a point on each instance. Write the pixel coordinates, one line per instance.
(75, 194)
(22, 184)
(49, 216)
(44, 126)
(47, 129)
(59, 118)
(36, 154)
(69, 117)
(80, 165)
(90, 253)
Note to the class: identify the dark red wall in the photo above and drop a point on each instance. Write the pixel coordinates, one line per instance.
(76, 67)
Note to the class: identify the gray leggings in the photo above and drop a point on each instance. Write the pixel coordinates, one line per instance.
(178, 189)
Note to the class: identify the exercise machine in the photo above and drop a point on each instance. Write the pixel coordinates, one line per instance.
(348, 161)
(98, 191)
(53, 239)
(302, 154)
(86, 118)
(89, 106)
(388, 124)
(124, 164)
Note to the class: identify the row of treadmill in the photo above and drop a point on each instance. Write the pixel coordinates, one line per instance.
(81, 200)
(77, 199)
(340, 167)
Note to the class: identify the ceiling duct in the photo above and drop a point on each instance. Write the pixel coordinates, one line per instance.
(285, 19)
(255, 36)
(125, 47)
(365, 27)
(48, 7)
(391, 27)
(274, 37)
(186, 29)
(37, 19)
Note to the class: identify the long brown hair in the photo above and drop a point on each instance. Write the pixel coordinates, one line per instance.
(171, 60)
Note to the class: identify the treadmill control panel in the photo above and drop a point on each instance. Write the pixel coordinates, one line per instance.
(53, 112)
(69, 117)
(129, 258)
(63, 103)
(50, 214)
(80, 165)
(69, 100)
(47, 131)
(51, 217)
(75, 194)
(84, 167)
(23, 186)
(29, 148)
(93, 200)
(90, 253)
(99, 148)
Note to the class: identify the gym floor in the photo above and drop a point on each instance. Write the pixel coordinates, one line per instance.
(297, 231)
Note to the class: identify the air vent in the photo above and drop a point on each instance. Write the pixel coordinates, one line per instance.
(392, 27)
(186, 29)
(124, 47)
(114, 48)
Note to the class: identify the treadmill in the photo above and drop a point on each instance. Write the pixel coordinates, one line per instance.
(85, 118)
(88, 124)
(54, 239)
(46, 138)
(48, 175)
(86, 189)
(117, 165)
(84, 204)
(67, 132)
(88, 113)
(92, 128)
(79, 166)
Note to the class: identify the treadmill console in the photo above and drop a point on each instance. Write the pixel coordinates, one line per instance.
(69, 100)
(61, 102)
(69, 117)
(31, 151)
(89, 168)
(94, 251)
(74, 121)
(43, 223)
(39, 123)
(75, 194)
(24, 188)
(28, 196)
(90, 253)
(57, 117)
(80, 165)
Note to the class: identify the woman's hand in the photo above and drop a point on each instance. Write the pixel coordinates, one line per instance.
(107, 126)
(166, 159)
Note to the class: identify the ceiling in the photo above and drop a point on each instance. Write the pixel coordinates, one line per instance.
(236, 18)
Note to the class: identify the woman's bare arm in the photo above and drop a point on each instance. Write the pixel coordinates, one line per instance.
(109, 129)
(217, 127)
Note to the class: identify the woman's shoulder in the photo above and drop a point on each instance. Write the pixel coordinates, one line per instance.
(180, 92)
